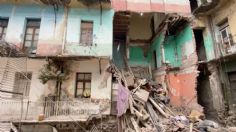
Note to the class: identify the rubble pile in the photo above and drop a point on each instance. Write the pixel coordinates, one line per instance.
(143, 106)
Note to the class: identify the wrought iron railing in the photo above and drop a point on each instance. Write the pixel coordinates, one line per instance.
(50, 110)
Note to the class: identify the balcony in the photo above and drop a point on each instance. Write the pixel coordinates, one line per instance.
(27, 111)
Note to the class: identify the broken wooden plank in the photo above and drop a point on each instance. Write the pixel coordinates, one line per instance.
(136, 127)
(158, 108)
(142, 95)
(131, 106)
(154, 117)
(191, 127)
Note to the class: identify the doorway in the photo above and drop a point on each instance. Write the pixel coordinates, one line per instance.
(204, 93)
(200, 48)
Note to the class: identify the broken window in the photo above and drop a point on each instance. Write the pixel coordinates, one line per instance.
(31, 34)
(226, 37)
(86, 34)
(22, 82)
(3, 28)
(83, 85)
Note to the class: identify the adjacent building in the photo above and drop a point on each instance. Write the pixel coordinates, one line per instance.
(214, 31)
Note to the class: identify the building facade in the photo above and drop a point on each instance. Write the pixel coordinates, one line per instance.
(214, 27)
(68, 45)
(55, 33)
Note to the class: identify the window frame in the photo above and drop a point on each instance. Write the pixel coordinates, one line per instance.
(224, 26)
(35, 27)
(84, 81)
(21, 76)
(81, 27)
(4, 27)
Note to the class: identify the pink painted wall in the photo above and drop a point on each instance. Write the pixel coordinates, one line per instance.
(167, 6)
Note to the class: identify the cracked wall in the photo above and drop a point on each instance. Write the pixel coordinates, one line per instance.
(60, 32)
(180, 52)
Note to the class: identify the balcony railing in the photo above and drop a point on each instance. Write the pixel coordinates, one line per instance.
(58, 110)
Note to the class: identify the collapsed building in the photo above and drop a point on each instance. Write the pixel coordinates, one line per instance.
(64, 82)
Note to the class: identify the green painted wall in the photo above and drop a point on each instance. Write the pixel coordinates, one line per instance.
(136, 56)
(102, 32)
(170, 51)
(208, 43)
(182, 38)
(156, 46)
(173, 47)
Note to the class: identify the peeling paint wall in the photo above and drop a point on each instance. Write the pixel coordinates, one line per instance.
(89, 66)
(102, 32)
(100, 83)
(180, 51)
(176, 48)
(204, 24)
(226, 11)
(51, 35)
(167, 6)
(215, 87)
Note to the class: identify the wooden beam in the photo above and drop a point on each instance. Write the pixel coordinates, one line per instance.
(158, 108)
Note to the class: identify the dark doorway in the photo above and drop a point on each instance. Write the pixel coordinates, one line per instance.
(201, 51)
(204, 92)
(193, 4)
(232, 80)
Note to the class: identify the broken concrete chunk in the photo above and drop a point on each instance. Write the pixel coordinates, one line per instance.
(142, 95)
(208, 123)
(195, 115)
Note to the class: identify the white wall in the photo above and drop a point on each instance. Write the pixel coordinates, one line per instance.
(91, 66)
(37, 89)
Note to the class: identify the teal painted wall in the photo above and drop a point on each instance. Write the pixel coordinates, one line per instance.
(173, 47)
(209, 45)
(49, 31)
(184, 39)
(136, 57)
(170, 51)
(51, 35)
(102, 32)
(156, 45)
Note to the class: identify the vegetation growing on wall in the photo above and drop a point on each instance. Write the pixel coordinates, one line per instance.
(55, 70)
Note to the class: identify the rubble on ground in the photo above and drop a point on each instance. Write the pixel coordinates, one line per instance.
(143, 106)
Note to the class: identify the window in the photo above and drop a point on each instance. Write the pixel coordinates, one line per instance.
(83, 85)
(86, 33)
(3, 28)
(22, 82)
(31, 34)
(225, 36)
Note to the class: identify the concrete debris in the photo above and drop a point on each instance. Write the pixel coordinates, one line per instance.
(149, 110)
(196, 116)
(208, 125)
